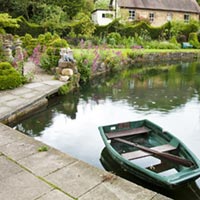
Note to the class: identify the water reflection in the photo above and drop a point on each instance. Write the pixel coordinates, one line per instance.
(167, 95)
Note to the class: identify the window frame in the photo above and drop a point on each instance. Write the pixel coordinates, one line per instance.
(131, 14)
(151, 17)
(186, 18)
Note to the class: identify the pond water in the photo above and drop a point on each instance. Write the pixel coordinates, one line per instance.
(166, 94)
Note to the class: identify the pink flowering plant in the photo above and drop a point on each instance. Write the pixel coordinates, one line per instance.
(94, 59)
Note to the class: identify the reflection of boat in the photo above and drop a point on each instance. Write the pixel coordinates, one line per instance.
(144, 150)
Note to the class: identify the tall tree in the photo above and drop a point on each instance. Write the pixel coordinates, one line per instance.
(73, 7)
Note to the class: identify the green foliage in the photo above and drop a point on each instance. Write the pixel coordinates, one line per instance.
(193, 39)
(161, 45)
(52, 18)
(134, 54)
(49, 61)
(85, 74)
(102, 4)
(84, 64)
(113, 61)
(7, 21)
(72, 7)
(51, 56)
(83, 25)
(9, 77)
(26, 27)
(141, 29)
(182, 30)
(2, 56)
(173, 40)
(64, 89)
(59, 43)
(29, 43)
(113, 38)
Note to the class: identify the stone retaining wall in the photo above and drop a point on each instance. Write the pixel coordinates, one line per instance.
(150, 58)
(167, 56)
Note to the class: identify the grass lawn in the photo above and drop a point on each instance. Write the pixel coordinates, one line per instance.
(106, 51)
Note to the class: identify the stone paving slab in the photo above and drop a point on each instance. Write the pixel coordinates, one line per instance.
(15, 101)
(78, 173)
(37, 163)
(22, 186)
(117, 189)
(8, 168)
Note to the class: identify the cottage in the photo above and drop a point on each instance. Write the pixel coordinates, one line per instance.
(102, 16)
(157, 12)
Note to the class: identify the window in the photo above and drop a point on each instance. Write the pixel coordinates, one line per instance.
(169, 16)
(132, 14)
(186, 18)
(107, 15)
(151, 17)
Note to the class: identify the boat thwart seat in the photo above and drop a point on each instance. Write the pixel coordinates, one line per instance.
(123, 133)
(139, 153)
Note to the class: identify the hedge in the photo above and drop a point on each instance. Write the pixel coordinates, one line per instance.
(131, 29)
(26, 27)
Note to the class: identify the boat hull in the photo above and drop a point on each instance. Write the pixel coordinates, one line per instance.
(155, 136)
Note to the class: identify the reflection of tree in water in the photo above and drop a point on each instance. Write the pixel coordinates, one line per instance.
(162, 88)
(36, 124)
(67, 104)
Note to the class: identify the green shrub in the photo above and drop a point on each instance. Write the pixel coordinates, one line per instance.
(61, 43)
(84, 68)
(48, 62)
(182, 30)
(50, 58)
(9, 77)
(113, 38)
(193, 39)
(29, 43)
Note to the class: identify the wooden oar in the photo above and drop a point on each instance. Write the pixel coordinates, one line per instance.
(171, 157)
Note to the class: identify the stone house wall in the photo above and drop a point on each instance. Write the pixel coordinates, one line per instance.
(160, 17)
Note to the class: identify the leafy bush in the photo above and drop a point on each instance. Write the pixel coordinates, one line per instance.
(113, 38)
(49, 61)
(182, 30)
(29, 43)
(59, 43)
(193, 39)
(84, 65)
(9, 77)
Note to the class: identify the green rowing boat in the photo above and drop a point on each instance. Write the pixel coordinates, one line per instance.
(144, 150)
